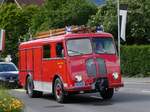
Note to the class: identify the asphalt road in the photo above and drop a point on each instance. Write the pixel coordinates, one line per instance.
(134, 97)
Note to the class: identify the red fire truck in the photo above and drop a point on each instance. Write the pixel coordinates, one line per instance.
(70, 63)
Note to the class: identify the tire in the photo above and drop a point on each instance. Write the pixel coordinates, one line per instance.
(107, 93)
(59, 91)
(32, 93)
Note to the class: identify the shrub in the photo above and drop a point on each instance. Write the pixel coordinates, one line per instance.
(135, 60)
(9, 103)
(16, 22)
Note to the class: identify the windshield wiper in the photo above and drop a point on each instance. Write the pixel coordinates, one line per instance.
(76, 51)
(104, 52)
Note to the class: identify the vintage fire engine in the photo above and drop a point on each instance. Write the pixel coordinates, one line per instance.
(64, 63)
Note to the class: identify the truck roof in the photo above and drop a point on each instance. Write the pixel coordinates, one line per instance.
(58, 38)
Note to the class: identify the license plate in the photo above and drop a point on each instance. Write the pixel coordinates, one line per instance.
(11, 81)
(80, 84)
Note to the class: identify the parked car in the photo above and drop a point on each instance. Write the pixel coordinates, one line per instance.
(8, 74)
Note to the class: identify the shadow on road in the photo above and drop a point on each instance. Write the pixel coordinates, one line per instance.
(87, 99)
(82, 99)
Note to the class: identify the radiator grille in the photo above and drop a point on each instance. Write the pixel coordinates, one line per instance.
(91, 67)
(101, 66)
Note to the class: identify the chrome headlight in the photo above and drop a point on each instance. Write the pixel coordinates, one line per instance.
(115, 75)
(78, 78)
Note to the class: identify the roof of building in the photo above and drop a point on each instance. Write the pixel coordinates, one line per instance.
(25, 2)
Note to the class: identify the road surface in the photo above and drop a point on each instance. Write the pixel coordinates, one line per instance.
(134, 97)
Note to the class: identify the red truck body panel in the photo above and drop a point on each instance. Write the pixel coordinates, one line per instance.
(45, 70)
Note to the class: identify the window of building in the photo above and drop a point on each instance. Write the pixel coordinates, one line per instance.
(46, 51)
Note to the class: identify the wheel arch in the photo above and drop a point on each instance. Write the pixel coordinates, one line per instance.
(28, 75)
(53, 82)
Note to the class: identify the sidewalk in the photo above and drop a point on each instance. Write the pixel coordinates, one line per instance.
(136, 80)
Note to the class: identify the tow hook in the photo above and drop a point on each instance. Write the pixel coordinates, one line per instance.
(101, 84)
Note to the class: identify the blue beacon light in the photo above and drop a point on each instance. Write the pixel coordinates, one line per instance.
(99, 29)
(68, 29)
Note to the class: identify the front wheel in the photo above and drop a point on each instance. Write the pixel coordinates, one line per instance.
(58, 91)
(107, 93)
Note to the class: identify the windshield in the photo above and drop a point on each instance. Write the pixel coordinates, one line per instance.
(79, 47)
(103, 45)
(7, 67)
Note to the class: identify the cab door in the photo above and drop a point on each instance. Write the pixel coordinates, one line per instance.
(46, 63)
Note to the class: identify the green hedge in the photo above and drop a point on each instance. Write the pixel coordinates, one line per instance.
(135, 60)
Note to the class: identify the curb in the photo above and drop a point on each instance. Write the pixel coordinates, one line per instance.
(136, 80)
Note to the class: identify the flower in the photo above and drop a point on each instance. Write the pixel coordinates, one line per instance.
(11, 104)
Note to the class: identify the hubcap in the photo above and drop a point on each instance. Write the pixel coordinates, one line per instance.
(58, 91)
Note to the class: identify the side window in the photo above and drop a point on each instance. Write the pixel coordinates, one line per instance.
(46, 51)
(59, 50)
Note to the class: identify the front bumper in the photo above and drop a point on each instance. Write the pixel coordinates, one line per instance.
(8, 83)
(75, 89)
(95, 86)
(116, 85)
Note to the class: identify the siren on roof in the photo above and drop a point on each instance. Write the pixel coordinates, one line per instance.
(68, 29)
(100, 29)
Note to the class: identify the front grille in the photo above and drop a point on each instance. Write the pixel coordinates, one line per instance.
(101, 67)
(91, 67)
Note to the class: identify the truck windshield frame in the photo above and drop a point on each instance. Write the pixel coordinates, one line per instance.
(83, 46)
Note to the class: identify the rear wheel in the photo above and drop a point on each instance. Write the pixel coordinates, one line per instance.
(32, 93)
(107, 93)
(59, 91)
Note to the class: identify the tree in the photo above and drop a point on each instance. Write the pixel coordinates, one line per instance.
(16, 22)
(137, 20)
(59, 13)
